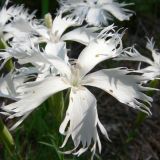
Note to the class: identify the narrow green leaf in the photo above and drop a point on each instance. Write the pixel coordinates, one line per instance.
(6, 138)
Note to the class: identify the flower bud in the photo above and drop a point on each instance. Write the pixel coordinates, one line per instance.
(48, 20)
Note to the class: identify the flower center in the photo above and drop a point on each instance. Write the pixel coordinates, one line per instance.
(75, 79)
(54, 37)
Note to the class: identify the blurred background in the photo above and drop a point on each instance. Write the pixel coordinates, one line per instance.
(37, 138)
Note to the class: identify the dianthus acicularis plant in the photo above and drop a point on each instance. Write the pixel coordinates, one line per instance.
(39, 66)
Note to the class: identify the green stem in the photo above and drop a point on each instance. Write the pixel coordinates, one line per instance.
(45, 6)
(3, 44)
(6, 138)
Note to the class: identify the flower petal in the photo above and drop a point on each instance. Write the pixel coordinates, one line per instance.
(100, 50)
(81, 121)
(96, 12)
(125, 88)
(75, 8)
(61, 24)
(57, 49)
(132, 54)
(151, 72)
(28, 53)
(156, 55)
(117, 10)
(82, 35)
(22, 23)
(9, 83)
(7, 88)
(19, 27)
(96, 17)
(7, 13)
(34, 94)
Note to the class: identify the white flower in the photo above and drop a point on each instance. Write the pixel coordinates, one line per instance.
(7, 15)
(55, 37)
(26, 53)
(20, 22)
(9, 83)
(27, 38)
(153, 70)
(96, 12)
(7, 87)
(17, 28)
(24, 25)
(81, 120)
